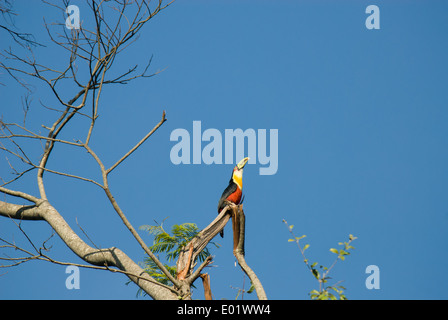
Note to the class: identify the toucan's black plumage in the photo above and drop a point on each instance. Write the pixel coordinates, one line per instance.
(231, 188)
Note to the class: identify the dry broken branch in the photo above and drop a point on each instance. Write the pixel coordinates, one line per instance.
(186, 260)
(238, 220)
(188, 255)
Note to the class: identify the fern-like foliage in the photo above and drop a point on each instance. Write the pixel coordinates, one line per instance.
(170, 246)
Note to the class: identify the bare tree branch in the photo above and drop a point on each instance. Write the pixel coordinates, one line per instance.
(19, 194)
(138, 144)
(111, 257)
(29, 256)
(21, 38)
(238, 221)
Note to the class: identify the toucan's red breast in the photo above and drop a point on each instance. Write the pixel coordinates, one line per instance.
(236, 196)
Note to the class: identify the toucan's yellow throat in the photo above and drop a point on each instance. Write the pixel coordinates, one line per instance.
(238, 173)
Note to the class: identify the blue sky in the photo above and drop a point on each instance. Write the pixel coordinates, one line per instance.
(362, 121)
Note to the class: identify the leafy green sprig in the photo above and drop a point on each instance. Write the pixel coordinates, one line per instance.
(321, 274)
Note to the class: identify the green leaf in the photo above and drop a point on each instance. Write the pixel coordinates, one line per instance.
(314, 294)
(291, 240)
(323, 295)
(306, 247)
(334, 250)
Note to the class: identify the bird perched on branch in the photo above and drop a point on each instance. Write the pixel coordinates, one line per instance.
(234, 190)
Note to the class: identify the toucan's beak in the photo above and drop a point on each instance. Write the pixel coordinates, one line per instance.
(242, 163)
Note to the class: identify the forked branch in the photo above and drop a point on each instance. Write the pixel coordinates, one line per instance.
(187, 257)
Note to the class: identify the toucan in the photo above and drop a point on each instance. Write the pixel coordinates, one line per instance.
(234, 190)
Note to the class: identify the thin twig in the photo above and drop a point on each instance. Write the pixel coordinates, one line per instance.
(138, 144)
